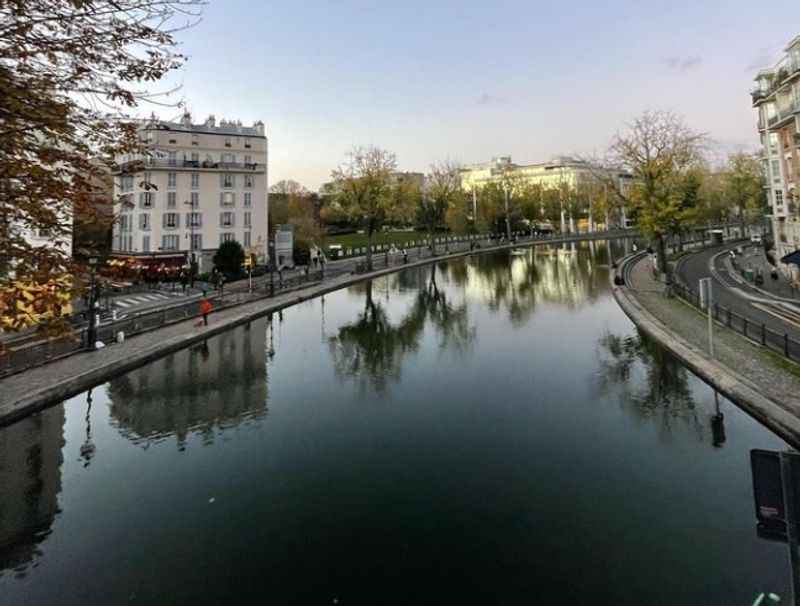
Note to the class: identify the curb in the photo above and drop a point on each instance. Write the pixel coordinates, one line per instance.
(740, 391)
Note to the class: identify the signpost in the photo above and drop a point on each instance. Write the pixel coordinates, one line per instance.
(706, 300)
(776, 483)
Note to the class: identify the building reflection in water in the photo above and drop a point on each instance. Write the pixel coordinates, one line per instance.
(218, 384)
(30, 482)
(371, 349)
(519, 282)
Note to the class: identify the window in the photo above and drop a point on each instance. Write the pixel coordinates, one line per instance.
(171, 221)
(778, 197)
(195, 199)
(195, 157)
(247, 238)
(146, 199)
(248, 199)
(226, 219)
(173, 158)
(229, 158)
(197, 241)
(195, 140)
(227, 198)
(194, 220)
(776, 171)
(225, 237)
(144, 221)
(227, 180)
(171, 199)
(247, 143)
(148, 178)
(145, 243)
(195, 180)
(773, 143)
(248, 159)
(248, 180)
(227, 141)
(170, 242)
(123, 223)
(248, 219)
(172, 179)
(126, 183)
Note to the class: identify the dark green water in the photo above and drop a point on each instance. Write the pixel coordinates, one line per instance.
(494, 432)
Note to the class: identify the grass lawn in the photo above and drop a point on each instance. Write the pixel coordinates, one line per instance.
(359, 240)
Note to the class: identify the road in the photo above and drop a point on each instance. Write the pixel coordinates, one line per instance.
(778, 315)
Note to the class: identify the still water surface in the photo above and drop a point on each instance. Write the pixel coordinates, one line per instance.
(490, 430)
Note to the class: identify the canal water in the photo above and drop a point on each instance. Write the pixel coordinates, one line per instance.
(490, 430)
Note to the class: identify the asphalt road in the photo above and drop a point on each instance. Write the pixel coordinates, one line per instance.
(778, 317)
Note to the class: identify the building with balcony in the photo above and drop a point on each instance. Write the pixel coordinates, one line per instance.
(192, 187)
(777, 99)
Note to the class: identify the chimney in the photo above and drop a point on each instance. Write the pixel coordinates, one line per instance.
(187, 118)
(259, 126)
(211, 121)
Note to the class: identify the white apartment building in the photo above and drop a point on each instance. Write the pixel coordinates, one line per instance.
(207, 185)
(777, 99)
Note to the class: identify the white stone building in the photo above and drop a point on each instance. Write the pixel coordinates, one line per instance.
(207, 184)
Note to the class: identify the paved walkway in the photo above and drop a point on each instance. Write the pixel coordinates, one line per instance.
(765, 372)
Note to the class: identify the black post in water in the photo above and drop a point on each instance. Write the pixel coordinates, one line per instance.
(788, 460)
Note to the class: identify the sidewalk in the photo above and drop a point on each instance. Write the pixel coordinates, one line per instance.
(740, 368)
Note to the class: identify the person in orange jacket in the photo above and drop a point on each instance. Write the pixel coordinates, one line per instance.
(205, 309)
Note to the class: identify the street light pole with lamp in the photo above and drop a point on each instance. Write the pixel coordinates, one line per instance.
(192, 258)
(92, 330)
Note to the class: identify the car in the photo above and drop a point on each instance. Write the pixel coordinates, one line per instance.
(755, 238)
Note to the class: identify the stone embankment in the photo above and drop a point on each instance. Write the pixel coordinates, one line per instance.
(758, 381)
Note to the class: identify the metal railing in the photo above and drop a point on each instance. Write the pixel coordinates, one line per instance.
(779, 342)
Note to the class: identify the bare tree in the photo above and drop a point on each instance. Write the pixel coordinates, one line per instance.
(288, 187)
(368, 192)
(69, 74)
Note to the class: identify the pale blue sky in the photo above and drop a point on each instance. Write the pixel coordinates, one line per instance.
(470, 80)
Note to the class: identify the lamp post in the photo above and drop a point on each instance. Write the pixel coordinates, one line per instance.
(92, 332)
(271, 248)
(192, 259)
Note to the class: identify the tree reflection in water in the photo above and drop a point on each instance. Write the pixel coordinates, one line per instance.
(663, 394)
(371, 349)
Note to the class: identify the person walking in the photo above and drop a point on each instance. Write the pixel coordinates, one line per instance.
(205, 309)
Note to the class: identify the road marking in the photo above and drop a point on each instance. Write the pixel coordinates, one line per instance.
(782, 313)
(122, 304)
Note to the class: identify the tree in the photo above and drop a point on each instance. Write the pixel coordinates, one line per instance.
(744, 186)
(442, 191)
(368, 193)
(288, 187)
(659, 149)
(70, 71)
(229, 258)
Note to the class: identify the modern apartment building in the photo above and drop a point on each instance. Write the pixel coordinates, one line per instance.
(777, 99)
(194, 187)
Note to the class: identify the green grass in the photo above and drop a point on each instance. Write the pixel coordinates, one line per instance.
(359, 240)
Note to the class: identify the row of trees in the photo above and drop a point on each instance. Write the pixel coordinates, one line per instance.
(672, 187)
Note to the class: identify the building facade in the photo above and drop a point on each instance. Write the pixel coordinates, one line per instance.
(194, 187)
(559, 172)
(777, 99)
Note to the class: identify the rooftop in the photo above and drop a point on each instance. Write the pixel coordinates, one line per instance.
(210, 126)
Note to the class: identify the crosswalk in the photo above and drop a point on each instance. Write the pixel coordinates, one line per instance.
(141, 299)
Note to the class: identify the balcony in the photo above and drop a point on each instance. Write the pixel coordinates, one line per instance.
(758, 95)
(139, 165)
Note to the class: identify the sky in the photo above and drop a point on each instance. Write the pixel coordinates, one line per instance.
(466, 81)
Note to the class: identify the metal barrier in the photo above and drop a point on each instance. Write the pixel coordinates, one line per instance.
(780, 343)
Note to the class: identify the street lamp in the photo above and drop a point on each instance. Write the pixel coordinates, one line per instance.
(92, 332)
(192, 259)
(271, 250)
